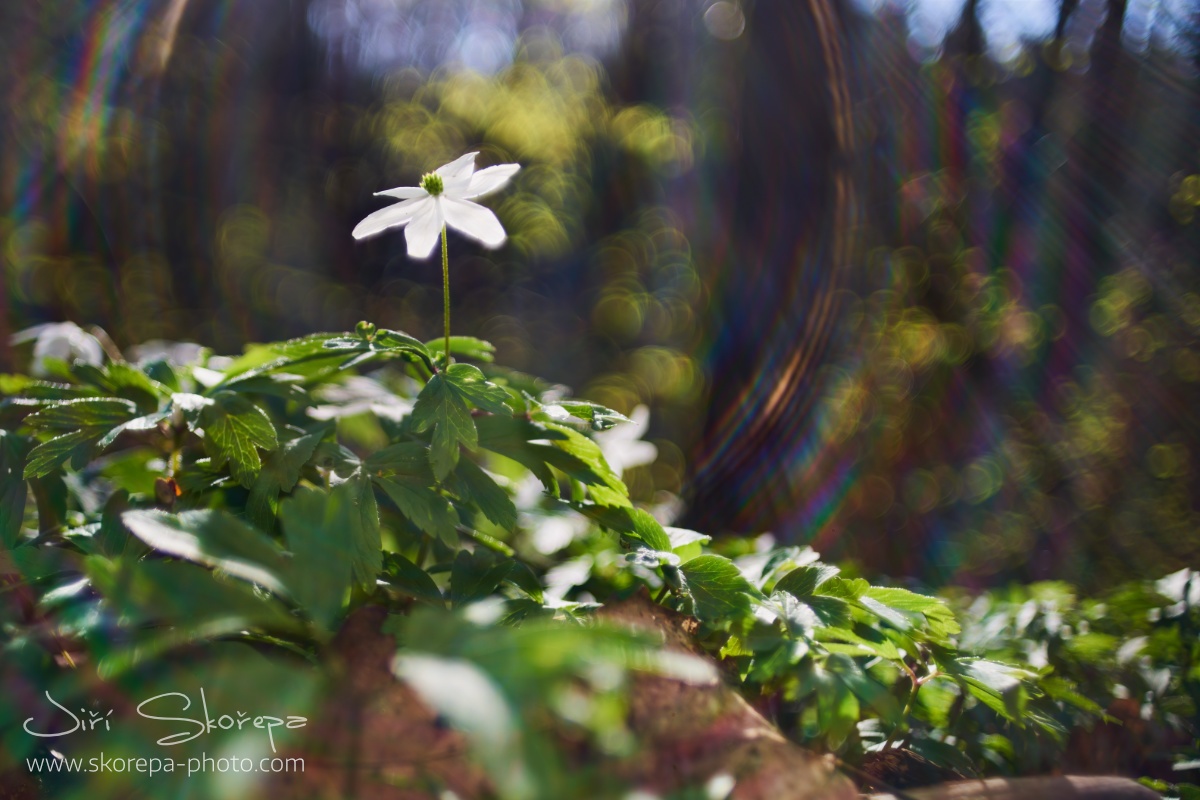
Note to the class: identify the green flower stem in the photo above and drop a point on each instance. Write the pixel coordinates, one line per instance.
(446, 292)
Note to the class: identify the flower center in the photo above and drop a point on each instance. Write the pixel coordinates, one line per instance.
(432, 183)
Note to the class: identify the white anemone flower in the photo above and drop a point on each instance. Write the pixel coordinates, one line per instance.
(443, 199)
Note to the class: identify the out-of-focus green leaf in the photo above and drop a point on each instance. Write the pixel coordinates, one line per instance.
(281, 471)
(943, 754)
(864, 688)
(404, 575)
(410, 459)
(467, 696)
(13, 449)
(319, 574)
(488, 495)
(213, 538)
(187, 594)
(366, 542)
(423, 507)
(474, 577)
(466, 346)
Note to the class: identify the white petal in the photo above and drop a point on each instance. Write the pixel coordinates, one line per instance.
(489, 180)
(473, 220)
(396, 214)
(422, 233)
(403, 192)
(462, 166)
(456, 175)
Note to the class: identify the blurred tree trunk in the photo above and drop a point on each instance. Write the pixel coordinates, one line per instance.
(790, 206)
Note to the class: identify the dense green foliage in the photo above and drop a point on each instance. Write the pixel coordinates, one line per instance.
(165, 519)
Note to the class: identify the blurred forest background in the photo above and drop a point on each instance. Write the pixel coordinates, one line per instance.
(913, 283)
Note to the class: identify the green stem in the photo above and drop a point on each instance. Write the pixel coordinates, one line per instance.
(446, 292)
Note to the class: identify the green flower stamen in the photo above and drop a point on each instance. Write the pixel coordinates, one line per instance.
(432, 183)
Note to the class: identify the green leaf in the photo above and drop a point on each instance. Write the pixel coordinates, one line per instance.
(1063, 690)
(837, 707)
(13, 449)
(91, 417)
(366, 542)
(833, 612)
(185, 593)
(410, 459)
(600, 417)
(597, 472)
(320, 572)
(86, 413)
(648, 531)
(473, 577)
(113, 538)
(323, 353)
(466, 346)
(778, 661)
(652, 559)
(281, 472)
(213, 538)
(798, 619)
(144, 423)
(234, 428)
(946, 755)
(867, 640)
(843, 588)
(423, 507)
(682, 537)
(488, 495)
(803, 581)
(522, 577)
(407, 577)
(938, 616)
(513, 438)
(718, 588)
(471, 384)
(992, 676)
(126, 380)
(442, 406)
(864, 688)
(49, 456)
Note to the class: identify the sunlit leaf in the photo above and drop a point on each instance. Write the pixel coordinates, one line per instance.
(213, 538)
(718, 588)
(234, 430)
